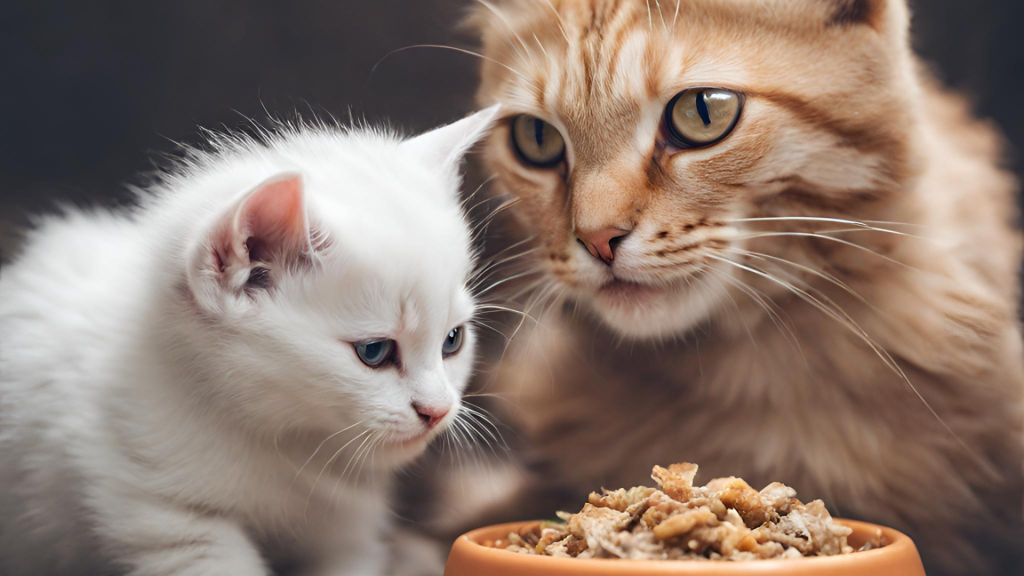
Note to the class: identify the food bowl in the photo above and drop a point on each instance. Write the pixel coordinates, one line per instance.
(898, 557)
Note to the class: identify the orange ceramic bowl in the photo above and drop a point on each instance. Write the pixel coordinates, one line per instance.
(469, 558)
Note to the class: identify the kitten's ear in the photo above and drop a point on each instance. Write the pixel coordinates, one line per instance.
(445, 146)
(264, 228)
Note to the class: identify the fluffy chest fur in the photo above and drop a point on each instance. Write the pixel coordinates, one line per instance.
(224, 380)
(823, 291)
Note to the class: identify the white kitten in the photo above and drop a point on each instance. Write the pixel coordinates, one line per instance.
(166, 375)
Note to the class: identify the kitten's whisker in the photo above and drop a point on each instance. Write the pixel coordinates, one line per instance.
(350, 465)
(369, 451)
(329, 461)
(474, 428)
(313, 455)
(453, 48)
(496, 435)
(463, 431)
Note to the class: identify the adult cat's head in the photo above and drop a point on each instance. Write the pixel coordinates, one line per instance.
(324, 283)
(638, 133)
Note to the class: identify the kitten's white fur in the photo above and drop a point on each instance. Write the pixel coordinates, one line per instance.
(156, 411)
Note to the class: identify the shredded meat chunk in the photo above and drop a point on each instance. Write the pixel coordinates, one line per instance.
(726, 519)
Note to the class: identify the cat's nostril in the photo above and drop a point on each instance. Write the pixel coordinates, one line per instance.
(602, 243)
(430, 415)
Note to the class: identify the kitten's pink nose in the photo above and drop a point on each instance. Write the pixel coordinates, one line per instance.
(602, 243)
(430, 415)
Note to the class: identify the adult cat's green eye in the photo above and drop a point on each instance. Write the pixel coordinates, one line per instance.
(702, 116)
(377, 353)
(537, 142)
(453, 342)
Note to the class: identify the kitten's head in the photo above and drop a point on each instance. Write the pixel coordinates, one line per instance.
(331, 293)
(639, 132)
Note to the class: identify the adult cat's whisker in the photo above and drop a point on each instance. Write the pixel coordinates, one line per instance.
(480, 203)
(486, 265)
(823, 275)
(716, 294)
(508, 279)
(490, 269)
(838, 314)
(560, 22)
(537, 296)
(829, 238)
(858, 224)
(506, 309)
(481, 227)
(501, 16)
(489, 327)
(453, 48)
(759, 297)
(469, 197)
(541, 46)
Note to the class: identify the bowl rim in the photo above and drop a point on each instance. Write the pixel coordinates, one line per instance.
(899, 545)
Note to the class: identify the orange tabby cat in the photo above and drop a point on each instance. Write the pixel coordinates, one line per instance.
(788, 255)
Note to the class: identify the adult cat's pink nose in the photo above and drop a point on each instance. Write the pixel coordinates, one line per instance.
(602, 243)
(430, 415)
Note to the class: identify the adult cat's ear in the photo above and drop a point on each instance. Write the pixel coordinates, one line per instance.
(445, 146)
(265, 228)
(882, 15)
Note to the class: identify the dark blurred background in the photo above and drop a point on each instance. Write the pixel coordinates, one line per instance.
(92, 91)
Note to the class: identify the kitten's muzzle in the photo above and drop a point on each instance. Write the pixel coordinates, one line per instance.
(431, 416)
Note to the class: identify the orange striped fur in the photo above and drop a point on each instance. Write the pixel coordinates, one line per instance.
(702, 342)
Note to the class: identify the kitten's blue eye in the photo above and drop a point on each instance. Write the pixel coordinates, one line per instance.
(377, 353)
(453, 342)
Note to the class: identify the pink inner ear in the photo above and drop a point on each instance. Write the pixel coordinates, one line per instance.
(269, 223)
(274, 216)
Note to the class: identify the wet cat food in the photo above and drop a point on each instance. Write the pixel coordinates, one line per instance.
(725, 519)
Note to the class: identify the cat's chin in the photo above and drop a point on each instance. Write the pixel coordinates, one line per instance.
(646, 312)
(403, 451)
